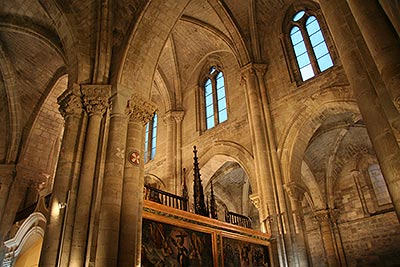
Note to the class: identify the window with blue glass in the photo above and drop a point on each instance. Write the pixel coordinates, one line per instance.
(309, 45)
(215, 98)
(150, 140)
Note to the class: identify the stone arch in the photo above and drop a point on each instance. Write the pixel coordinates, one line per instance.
(63, 24)
(227, 150)
(14, 107)
(301, 129)
(162, 90)
(46, 126)
(315, 197)
(146, 41)
(154, 181)
(29, 27)
(293, 9)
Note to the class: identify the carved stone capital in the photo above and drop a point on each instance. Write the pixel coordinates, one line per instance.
(70, 102)
(260, 69)
(139, 109)
(175, 115)
(96, 98)
(255, 199)
(247, 72)
(322, 215)
(295, 191)
(253, 69)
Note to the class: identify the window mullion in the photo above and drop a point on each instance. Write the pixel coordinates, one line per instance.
(215, 100)
(309, 48)
(150, 141)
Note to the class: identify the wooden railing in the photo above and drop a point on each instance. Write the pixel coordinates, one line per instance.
(165, 198)
(237, 219)
(181, 203)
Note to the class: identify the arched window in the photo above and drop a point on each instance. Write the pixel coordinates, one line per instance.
(214, 98)
(379, 185)
(150, 140)
(308, 45)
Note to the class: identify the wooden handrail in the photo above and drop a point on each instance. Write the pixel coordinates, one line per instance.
(181, 203)
(165, 198)
(237, 219)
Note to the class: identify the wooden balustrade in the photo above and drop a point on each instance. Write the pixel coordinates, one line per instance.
(237, 219)
(165, 198)
(181, 203)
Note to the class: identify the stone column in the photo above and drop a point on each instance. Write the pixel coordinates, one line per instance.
(71, 108)
(140, 112)
(384, 45)
(178, 116)
(95, 100)
(7, 173)
(283, 219)
(170, 159)
(392, 10)
(264, 171)
(379, 129)
(174, 144)
(110, 206)
(323, 218)
(296, 194)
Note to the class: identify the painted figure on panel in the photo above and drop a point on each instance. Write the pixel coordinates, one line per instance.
(238, 253)
(166, 245)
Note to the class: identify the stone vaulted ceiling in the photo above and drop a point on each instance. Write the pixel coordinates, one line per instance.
(32, 58)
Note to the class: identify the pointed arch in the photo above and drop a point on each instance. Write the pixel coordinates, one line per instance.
(64, 26)
(14, 107)
(299, 133)
(224, 151)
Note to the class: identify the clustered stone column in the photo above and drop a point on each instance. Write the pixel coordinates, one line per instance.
(71, 108)
(95, 102)
(323, 218)
(139, 112)
(264, 168)
(110, 205)
(296, 194)
(378, 126)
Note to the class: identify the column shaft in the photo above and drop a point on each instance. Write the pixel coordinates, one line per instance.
(280, 201)
(110, 207)
(170, 159)
(85, 191)
(379, 129)
(392, 10)
(130, 236)
(322, 217)
(96, 102)
(374, 26)
(132, 198)
(296, 194)
(262, 161)
(71, 108)
(178, 167)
